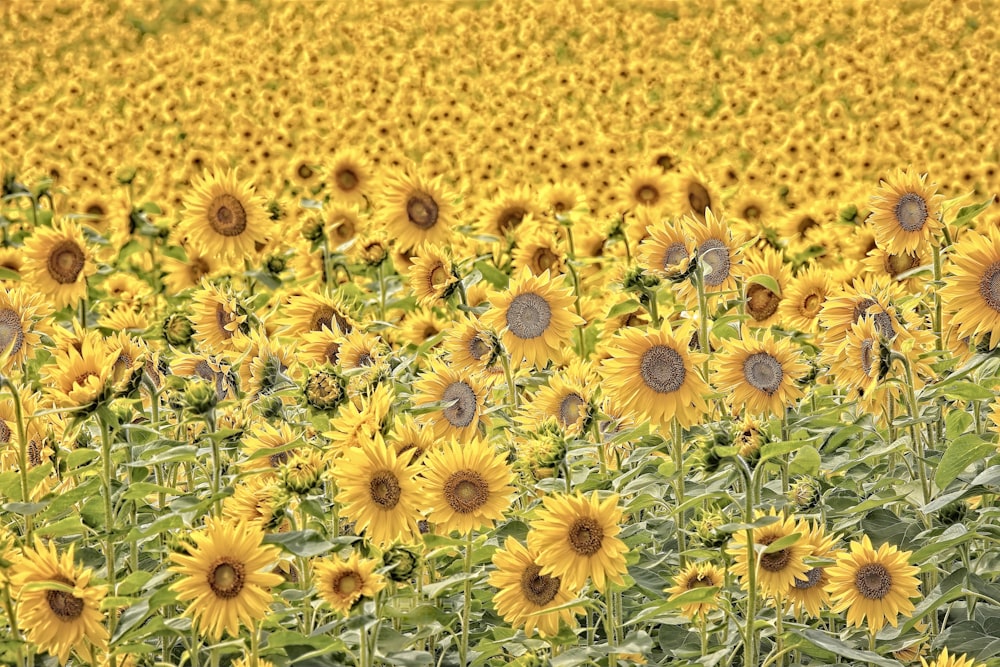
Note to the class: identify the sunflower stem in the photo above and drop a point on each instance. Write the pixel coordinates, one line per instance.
(254, 645)
(678, 455)
(779, 630)
(109, 513)
(511, 387)
(463, 647)
(216, 462)
(15, 632)
(938, 306)
(23, 461)
(381, 290)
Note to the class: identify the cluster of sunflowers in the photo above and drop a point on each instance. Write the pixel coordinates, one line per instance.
(421, 369)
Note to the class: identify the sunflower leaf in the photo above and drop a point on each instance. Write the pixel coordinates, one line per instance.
(780, 543)
(966, 214)
(961, 453)
(837, 647)
(767, 281)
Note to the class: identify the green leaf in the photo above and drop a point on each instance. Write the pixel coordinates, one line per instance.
(777, 449)
(492, 274)
(967, 213)
(958, 423)
(766, 280)
(629, 306)
(25, 509)
(955, 535)
(806, 462)
(961, 453)
(837, 647)
(305, 543)
(700, 595)
(63, 501)
(781, 543)
(9, 274)
(967, 391)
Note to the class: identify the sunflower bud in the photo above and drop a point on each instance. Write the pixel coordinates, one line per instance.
(177, 330)
(313, 230)
(275, 264)
(302, 473)
(324, 390)
(200, 397)
(804, 493)
(401, 562)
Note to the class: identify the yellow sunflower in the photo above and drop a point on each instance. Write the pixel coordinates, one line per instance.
(972, 291)
(130, 359)
(567, 397)
(644, 187)
(466, 486)
(502, 214)
(906, 212)
(264, 365)
(762, 304)
(432, 276)
(803, 300)
(809, 593)
(408, 435)
(759, 374)
(777, 571)
(350, 176)
(576, 537)
(224, 217)
(694, 576)
(226, 577)
(319, 347)
(181, 274)
(415, 211)
(63, 619)
(653, 373)
(874, 587)
(667, 250)
(360, 349)
(867, 295)
(342, 583)
(716, 250)
(945, 660)
(58, 263)
(540, 250)
(694, 194)
(23, 318)
(474, 348)
(534, 317)
(378, 491)
(461, 396)
(81, 377)
(266, 446)
(220, 320)
(526, 597)
(309, 311)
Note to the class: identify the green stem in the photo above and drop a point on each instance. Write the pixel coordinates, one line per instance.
(511, 387)
(678, 455)
(109, 515)
(463, 647)
(938, 306)
(255, 645)
(216, 462)
(381, 291)
(779, 630)
(24, 462)
(15, 632)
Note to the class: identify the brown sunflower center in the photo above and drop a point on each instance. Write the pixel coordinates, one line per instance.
(882, 319)
(538, 588)
(776, 561)
(662, 369)
(805, 223)
(82, 378)
(11, 333)
(438, 277)
(66, 606)
(989, 286)
(715, 254)
(698, 198)
(466, 491)
(204, 371)
(344, 230)
(528, 315)
(34, 454)
(763, 372)
(569, 409)
(5, 431)
(304, 171)
(698, 580)
(277, 460)
(422, 210)
(223, 318)
(586, 536)
(751, 212)
(674, 255)
(911, 212)
(331, 353)
(462, 410)
(762, 303)
(478, 348)
(873, 581)
(647, 194)
(811, 304)
(510, 218)
(66, 260)
(813, 578)
(226, 215)
(897, 264)
(543, 260)
(226, 578)
(346, 583)
(384, 489)
(867, 355)
(347, 180)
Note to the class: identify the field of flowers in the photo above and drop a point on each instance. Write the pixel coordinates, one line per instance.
(482, 332)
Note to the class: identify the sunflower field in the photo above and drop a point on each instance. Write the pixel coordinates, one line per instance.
(483, 332)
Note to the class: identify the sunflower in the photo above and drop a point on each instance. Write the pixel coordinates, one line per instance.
(223, 217)
(362, 417)
(378, 491)
(58, 263)
(540, 250)
(809, 593)
(502, 214)
(694, 576)
(130, 359)
(466, 485)
(209, 368)
(64, 619)
(309, 311)
(227, 576)
(81, 377)
(802, 301)
(432, 276)
(408, 435)
(760, 374)
(761, 303)
(343, 225)
(666, 251)
(576, 537)
(777, 571)
(219, 319)
(716, 250)
(534, 317)
(257, 499)
(653, 373)
(415, 211)
(882, 263)
(461, 395)
(567, 397)
(359, 350)
(342, 583)
(23, 319)
(267, 446)
(350, 176)
(264, 365)
(906, 212)
(421, 327)
(694, 194)
(528, 598)
(856, 364)
(972, 291)
(867, 295)
(317, 348)
(873, 586)
(473, 347)
(945, 660)
(644, 187)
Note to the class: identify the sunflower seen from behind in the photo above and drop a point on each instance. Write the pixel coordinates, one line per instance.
(575, 538)
(534, 316)
(905, 212)
(226, 577)
(526, 597)
(652, 373)
(224, 217)
(58, 263)
(873, 586)
(378, 491)
(58, 620)
(466, 486)
(759, 374)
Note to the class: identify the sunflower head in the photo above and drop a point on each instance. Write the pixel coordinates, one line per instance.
(224, 217)
(906, 212)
